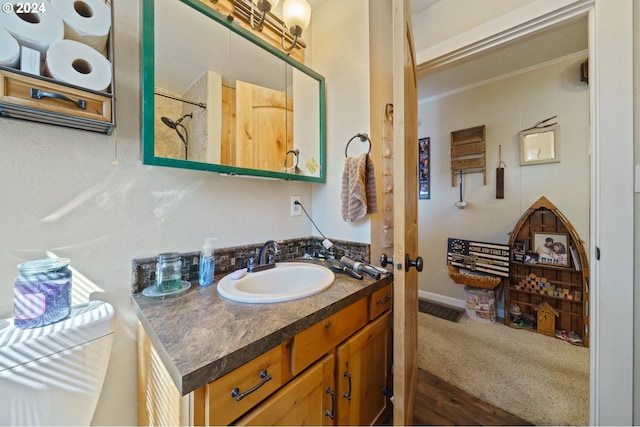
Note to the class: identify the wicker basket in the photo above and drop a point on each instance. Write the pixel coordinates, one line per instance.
(484, 282)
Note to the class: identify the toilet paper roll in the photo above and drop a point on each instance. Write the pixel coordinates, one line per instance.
(76, 63)
(36, 30)
(9, 49)
(86, 21)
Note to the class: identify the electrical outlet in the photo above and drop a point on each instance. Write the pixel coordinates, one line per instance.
(296, 210)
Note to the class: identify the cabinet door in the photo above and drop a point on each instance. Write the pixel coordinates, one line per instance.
(362, 374)
(308, 400)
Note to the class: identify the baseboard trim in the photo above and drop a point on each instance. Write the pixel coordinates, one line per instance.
(441, 299)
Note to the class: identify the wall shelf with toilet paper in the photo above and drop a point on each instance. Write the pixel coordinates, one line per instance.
(57, 67)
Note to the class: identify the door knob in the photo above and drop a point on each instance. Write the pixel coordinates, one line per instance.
(384, 260)
(417, 263)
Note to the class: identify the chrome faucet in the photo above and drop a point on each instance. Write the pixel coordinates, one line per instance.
(264, 251)
(264, 263)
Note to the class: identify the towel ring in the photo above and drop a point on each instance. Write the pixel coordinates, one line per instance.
(363, 137)
(296, 153)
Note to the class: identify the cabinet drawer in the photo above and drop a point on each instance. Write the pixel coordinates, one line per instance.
(380, 301)
(311, 344)
(307, 400)
(224, 394)
(25, 91)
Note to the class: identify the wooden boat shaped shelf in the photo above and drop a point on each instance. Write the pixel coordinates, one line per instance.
(541, 279)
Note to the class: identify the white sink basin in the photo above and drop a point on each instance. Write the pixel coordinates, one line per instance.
(287, 281)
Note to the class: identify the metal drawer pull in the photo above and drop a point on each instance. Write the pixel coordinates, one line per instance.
(39, 94)
(386, 299)
(239, 396)
(347, 394)
(331, 413)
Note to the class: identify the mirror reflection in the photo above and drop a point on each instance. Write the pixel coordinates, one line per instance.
(539, 145)
(223, 102)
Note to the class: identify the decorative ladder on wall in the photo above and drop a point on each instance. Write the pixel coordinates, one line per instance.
(468, 152)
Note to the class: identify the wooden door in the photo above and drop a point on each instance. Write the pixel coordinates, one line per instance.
(405, 283)
(362, 375)
(264, 127)
(308, 400)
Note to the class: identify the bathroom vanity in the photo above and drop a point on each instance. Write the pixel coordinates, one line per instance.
(320, 360)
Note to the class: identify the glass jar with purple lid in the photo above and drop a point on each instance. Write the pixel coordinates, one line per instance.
(42, 292)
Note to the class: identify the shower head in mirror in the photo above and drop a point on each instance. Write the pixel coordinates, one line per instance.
(173, 125)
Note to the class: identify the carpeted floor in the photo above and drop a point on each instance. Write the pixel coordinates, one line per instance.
(541, 379)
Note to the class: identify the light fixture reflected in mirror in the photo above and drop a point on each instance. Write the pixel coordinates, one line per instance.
(264, 7)
(296, 15)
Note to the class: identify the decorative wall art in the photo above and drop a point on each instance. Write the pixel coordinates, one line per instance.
(540, 143)
(491, 258)
(468, 152)
(424, 175)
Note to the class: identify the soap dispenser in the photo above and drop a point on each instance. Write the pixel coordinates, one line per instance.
(206, 263)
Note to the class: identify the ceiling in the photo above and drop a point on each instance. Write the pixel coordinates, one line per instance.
(542, 46)
(537, 48)
(419, 5)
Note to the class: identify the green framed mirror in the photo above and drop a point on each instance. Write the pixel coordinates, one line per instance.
(215, 97)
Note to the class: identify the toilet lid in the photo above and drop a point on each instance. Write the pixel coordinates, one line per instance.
(85, 323)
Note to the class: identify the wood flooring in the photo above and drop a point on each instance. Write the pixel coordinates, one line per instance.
(440, 403)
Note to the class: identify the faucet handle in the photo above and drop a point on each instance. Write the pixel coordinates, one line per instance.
(250, 264)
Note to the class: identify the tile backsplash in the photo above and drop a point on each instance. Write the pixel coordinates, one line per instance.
(143, 270)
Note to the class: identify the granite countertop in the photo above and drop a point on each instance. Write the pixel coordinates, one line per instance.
(201, 336)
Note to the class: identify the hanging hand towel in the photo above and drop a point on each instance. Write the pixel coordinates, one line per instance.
(358, 188)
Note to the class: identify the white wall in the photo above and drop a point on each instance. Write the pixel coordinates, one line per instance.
(505, 106)
(341, 54)
(62, 192)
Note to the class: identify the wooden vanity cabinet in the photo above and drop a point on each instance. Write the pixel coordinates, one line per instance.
(307, 384)
(380, 301)
(235, 393)
(309, 399)
(321, 338)
(159, 401)
(362, 364)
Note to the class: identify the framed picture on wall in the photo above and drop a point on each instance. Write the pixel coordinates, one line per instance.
(552, 248)
(424, 175)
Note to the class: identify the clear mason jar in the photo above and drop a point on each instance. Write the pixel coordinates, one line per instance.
(42, 292)
(168, 272)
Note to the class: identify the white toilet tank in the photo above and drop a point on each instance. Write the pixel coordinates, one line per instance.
(53, 375)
